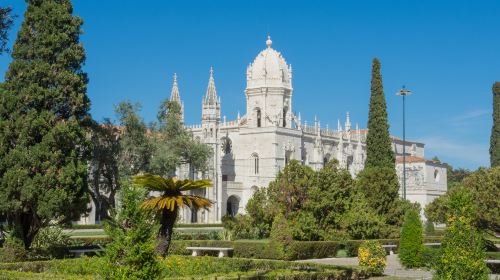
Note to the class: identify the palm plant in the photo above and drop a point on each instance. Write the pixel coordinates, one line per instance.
(170, 199)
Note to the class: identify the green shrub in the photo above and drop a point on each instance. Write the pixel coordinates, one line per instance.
(13, 250)
(463, 250)
(281, 235)
(429, 228)
(411, 242)
(430, 257)
(300, 250)
(372, 256)
(131, 254)
(51, 242)
(241, 227)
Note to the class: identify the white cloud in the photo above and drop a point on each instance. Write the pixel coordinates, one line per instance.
(470, 155)
(469, 117)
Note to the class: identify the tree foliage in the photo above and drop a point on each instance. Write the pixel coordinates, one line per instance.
(43, 120)
(135, 147)
(484, 188)
(329, 198)
(411, 244)
(172, 197)
(495, 130)
(380, 187)
(174, 145)
(6, 21)
(104, 176)
(463, 249)
(131, 254)
(289, 191)
(321, 205)
(362, 222)
(378, 142)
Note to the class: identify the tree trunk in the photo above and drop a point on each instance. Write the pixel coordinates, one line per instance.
(167, 221)
(27, 226)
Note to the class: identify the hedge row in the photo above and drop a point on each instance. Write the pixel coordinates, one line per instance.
(77, 226)
(99, 226)
(298, 250)
(198, 225)
(242, 249)
(179, 267)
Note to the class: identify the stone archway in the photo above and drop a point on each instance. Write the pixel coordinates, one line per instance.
(233, 205)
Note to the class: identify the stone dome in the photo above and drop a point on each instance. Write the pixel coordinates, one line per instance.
(269, 69)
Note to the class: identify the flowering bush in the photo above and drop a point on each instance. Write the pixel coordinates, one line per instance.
(372, 255)
(463, 248)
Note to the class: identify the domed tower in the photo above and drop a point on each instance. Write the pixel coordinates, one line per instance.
(269, 90)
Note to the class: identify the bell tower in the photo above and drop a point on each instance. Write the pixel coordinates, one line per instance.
(269, 90)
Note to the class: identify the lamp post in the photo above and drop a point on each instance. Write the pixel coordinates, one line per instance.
(404, 92)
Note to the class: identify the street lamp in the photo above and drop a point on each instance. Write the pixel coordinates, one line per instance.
(404, 92)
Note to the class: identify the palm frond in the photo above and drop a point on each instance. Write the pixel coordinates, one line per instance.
(193, 185)
(171, 189)
(152, 182)
(197, 201)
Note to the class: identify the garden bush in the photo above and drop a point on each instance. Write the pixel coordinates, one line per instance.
(372, 256)
(281, 235)
(50, 242)
(131, 254)
(411, 242)
(13, 250)
(463, 249)
(429, 228)
(430, 257)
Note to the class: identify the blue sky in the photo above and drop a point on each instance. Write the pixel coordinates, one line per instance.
(446, 52)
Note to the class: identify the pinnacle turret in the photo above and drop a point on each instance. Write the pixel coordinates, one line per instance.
(211, 94)
(347, 122)
(174, 95)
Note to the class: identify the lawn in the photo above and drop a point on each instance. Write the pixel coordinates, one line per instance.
(184, 267)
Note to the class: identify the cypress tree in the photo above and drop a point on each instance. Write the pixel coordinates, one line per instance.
(411, 244)
(378, 142)
(43, 120)
(495, 130)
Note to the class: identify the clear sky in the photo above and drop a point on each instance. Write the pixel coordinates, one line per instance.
(446, 52)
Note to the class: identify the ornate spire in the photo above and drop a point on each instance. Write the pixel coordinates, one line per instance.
(211, 95)
(347, 122)
(269, 42)
(174, 95)
(339, 127)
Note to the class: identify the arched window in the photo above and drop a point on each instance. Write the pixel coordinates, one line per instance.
(436, 175)
(255, 159)
(284, 116)
(259, 118)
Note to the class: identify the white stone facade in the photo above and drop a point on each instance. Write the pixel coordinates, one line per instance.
(249, 152)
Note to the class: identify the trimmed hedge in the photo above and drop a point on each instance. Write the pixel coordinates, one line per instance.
(297, 250)
(258, 249)
(242, 249)
(92, 226)
(178, 267)
(198, 225)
